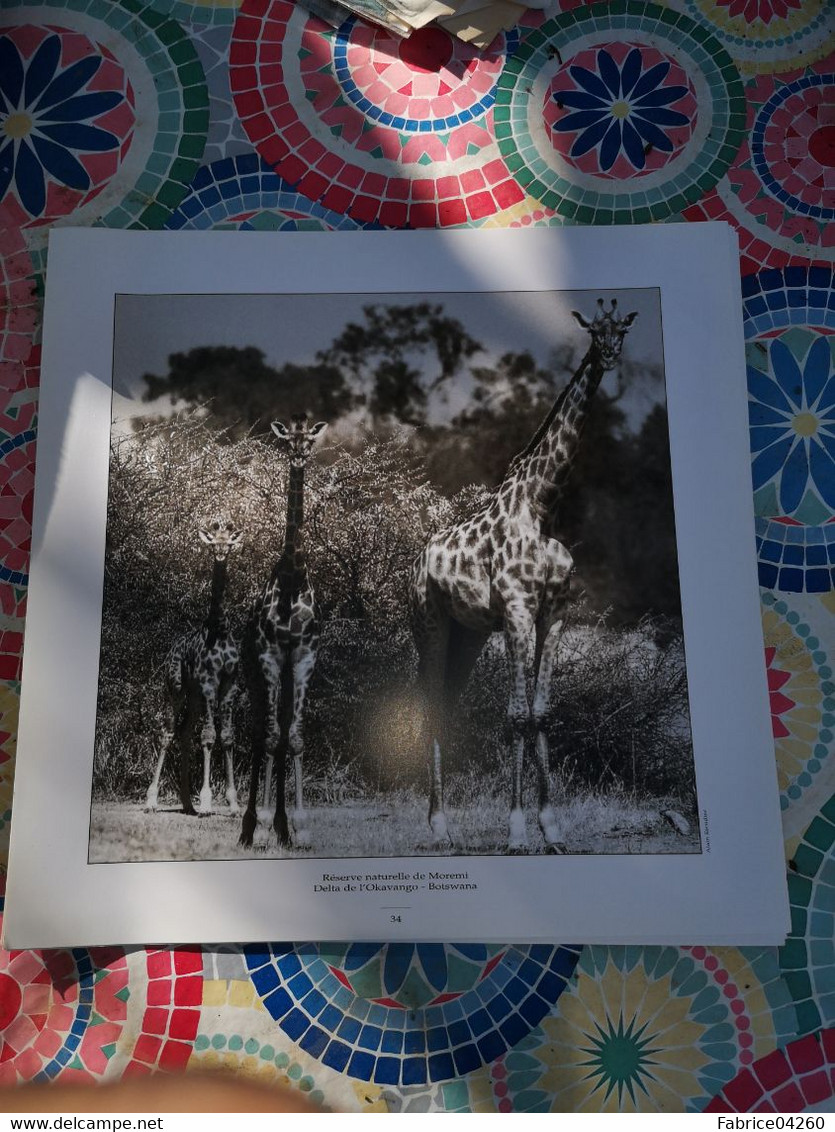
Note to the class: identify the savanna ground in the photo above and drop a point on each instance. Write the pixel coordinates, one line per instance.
(394, 826)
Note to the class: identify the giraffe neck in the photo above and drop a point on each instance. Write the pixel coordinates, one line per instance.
(542, 469)
(216, 621)
(291, 568)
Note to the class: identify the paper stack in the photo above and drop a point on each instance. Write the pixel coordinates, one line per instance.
(472, 21)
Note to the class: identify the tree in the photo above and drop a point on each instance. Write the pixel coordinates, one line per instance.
(399, 357)
(242, 394)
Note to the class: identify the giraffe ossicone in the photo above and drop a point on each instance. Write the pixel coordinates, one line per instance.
(201, 684)
(281, 641)
(503, 570)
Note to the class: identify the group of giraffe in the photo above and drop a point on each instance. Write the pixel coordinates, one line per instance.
(500, 570)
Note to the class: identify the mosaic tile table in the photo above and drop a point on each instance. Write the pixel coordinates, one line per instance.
(172, 114)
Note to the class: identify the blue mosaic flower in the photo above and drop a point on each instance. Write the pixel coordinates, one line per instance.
(792, 419)
(44, 120)
(429, 962)
(621, 108)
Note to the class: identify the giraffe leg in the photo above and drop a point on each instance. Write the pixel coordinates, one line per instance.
(303, 661)
(166, 739)
(277, 732)
(548, 640)
(186, 733)
(259, 711)
(208, 737)
(227, 735)
(519, 639)
(433, 644)
(265, 810)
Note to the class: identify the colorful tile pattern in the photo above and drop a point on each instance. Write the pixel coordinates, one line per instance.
(776, 192)
(149, 92)
(253, 115)
(396, 1014)
(795, 1079)
(171, 1015)
(648, 1030)
(225, 136)
(809, 953)
(765, 36)
(642, 91)
(381, 129)
(243, 192)
(802, 700)
(61, 1012)
(198, 12)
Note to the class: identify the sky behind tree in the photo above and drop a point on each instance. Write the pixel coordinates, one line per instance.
(293, 328)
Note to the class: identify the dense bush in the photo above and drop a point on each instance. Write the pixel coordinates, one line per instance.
(619, 697)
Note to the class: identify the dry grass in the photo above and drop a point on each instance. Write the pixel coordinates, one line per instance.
(392, 826)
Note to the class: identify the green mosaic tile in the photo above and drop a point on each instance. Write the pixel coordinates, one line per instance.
(169, 32)
(820, 834)
(808, 1017)
(807, 860)
(154, 19)
(194, 97)
(153, 217)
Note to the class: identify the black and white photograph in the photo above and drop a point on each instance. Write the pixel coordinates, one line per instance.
(391, 575)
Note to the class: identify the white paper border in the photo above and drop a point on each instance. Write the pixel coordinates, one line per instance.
(733, 894)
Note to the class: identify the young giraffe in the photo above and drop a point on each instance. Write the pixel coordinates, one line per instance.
(502, 569)
(201, 681)
(280, 644)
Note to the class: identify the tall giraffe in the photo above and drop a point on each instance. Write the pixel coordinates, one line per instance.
(201, 682)
(502, 570)
(280, 645)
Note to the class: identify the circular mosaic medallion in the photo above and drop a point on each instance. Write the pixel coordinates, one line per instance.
(61, 1011)
(798, 1078)
(778, 192)
(403, 1014)
(607, 117)
(647, 1030)
(793, 146)
(791, 392)
(103, 114)
(808, 956)
(244, 193)
(620, 111)
(802, 703)
(766, 35)
(382, 129)
(67, 119)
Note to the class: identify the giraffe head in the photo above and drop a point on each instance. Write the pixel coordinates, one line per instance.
(608, 330)
(298, 438)
(222, 536)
